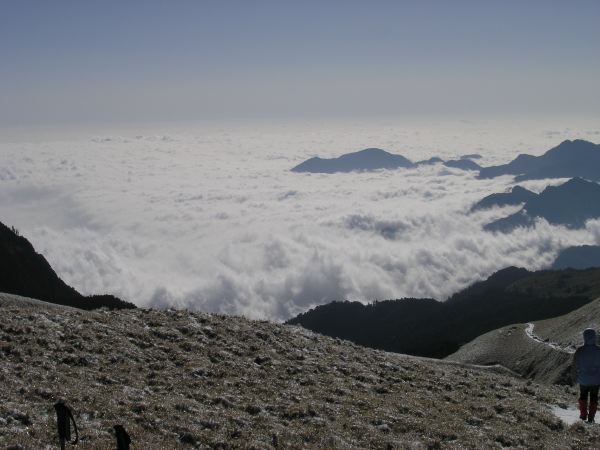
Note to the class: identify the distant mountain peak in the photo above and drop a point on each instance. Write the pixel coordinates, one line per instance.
(373, 150)
(570, 158)
(570, 204)
(577, 181)
(516, 196)
(362, 160)
(374, 158)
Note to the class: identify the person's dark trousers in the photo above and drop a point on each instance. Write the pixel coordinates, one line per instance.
(586, 412)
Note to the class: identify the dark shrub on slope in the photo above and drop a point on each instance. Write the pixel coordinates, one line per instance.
(426, 327)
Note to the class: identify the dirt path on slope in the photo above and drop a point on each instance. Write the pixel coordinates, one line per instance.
(553, 345)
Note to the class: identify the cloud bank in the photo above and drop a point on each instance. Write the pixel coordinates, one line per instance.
(209, 217)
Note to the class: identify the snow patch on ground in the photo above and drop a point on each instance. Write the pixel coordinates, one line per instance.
(569, 415)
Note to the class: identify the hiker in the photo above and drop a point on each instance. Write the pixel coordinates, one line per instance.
(64, 417)
(123, 439)
(586, 365)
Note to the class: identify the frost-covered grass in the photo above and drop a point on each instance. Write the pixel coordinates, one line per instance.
(176, 379)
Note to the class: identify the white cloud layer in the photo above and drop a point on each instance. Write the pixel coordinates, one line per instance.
(209, 217)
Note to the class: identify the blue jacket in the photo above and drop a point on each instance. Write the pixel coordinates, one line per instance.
(587, 360)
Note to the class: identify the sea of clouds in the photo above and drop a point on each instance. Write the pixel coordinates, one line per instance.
(208, 216)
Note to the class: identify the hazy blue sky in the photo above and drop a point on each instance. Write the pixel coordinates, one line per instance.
(84, 61)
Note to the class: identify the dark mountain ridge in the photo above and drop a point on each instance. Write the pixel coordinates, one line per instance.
(515, 196)
(374, 159)
(364, 160)
(571, 204)
(427, 327)
(25, 272)
(463, 164)
(577, 158)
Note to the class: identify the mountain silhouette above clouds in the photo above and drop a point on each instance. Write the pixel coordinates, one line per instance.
(374, 159)
(463, 164)
(364, 160)
(515, 196)
(577, 158)
(571, 204)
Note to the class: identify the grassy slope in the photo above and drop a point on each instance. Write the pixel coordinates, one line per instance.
(510, 347)
(567, 330)
(564, 283)
(229, 382)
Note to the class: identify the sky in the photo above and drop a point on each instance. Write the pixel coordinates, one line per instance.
(146, 146)
(69, 62)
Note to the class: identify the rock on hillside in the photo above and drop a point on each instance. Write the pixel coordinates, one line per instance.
(176, 379)
(25, 272)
